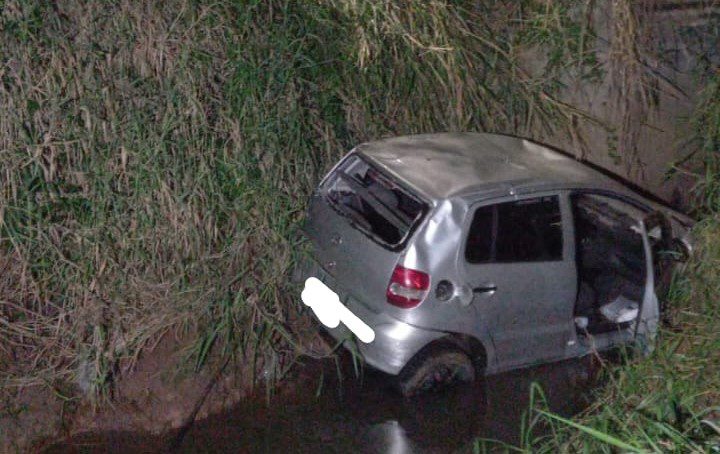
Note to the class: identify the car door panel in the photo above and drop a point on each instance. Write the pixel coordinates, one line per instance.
(527, 304)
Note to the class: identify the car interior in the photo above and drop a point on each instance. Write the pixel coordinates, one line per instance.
(611, 263)
(373, 201)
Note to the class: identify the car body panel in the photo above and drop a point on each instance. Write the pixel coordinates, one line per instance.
(347, 254)
(440, 166)
(445, 165)
(520, 335)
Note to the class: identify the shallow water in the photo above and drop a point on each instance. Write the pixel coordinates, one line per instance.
(321, 413)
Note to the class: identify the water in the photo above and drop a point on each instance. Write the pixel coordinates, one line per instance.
(318, 412)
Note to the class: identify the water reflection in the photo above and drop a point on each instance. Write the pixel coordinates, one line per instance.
(363, 415)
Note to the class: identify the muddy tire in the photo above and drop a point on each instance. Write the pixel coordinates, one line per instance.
(437, 366)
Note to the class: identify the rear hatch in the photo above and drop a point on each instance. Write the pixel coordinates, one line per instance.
(360, 220)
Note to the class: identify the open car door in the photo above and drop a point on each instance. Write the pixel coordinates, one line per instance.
(616, 299)
(649, 310)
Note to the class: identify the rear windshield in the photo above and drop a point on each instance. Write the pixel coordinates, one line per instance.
(373, 202)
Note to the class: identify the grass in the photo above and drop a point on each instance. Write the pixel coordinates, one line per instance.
(669, 401)
(156, 157)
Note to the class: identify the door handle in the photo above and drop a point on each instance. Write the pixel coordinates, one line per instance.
(485, 289)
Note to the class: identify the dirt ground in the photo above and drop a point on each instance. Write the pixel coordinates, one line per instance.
(160, 395)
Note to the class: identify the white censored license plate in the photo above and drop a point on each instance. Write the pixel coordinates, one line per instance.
(327, 307)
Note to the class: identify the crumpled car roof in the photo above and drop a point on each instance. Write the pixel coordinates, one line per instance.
(450, 164)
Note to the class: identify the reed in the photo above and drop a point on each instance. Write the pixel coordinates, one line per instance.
(156, 157)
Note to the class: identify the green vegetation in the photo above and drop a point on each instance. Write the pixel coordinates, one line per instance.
(156, 157)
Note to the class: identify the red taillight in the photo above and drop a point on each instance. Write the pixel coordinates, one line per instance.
(407, 288)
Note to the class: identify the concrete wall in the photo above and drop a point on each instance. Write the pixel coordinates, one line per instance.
(648, 89)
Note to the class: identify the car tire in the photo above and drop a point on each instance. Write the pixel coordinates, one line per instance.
(435, 367)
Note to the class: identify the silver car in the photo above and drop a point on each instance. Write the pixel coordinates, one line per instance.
(439, 257)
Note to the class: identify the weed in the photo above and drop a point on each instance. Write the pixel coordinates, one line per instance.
(155, 157)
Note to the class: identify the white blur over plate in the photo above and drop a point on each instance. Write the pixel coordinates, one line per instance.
(327, 307)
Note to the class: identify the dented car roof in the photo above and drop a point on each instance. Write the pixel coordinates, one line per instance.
(452, 164)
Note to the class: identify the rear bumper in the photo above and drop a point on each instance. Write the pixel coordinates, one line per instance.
(395, 342)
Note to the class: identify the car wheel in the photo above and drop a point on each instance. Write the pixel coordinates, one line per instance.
(435, 367)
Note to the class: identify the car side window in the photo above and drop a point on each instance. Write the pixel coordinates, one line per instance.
(608, 233)
(527, 230)
(480, 242)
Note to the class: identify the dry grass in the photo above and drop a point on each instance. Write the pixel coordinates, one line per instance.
(634, 84)
(155, 157)
(108, 120)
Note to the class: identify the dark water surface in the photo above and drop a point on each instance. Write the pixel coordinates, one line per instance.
(364, 415)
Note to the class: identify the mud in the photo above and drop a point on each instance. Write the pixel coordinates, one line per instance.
(318, 411)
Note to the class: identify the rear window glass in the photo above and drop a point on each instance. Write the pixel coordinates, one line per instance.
(373, 202)
(522, 231)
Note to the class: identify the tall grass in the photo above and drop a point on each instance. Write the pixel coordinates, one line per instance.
(669, 401)
(155, 157)
(706, 140)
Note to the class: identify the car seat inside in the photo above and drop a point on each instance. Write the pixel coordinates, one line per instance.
(611, 264)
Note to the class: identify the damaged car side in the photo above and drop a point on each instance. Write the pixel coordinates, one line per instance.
(467, 254)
